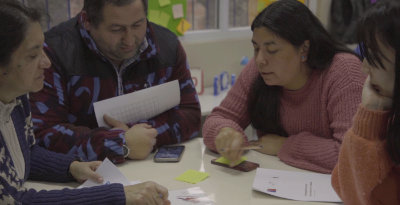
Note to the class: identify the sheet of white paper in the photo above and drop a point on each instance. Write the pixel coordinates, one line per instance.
(110, 173)
(189, 196)
(139, 105)
(177, 10)
(135, 182)
(295, 185)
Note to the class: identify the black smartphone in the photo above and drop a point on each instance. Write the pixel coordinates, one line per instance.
(169, 153)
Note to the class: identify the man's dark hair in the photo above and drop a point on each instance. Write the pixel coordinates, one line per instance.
(14, 23)
(94, 8)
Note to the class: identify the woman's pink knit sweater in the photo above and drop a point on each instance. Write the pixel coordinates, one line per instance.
(316, 117)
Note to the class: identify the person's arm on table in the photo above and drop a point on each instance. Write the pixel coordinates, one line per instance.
(50, 166)
(224, 127)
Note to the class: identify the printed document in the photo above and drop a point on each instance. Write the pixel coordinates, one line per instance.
(300, 186)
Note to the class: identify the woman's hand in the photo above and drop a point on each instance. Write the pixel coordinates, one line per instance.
(148, 193)
(372, 100)
(83, 171)
(271, 144)
(231, 139)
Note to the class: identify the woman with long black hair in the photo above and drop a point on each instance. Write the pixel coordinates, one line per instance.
(368, 170)
(299, 92)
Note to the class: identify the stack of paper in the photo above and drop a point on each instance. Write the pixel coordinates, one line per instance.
(295, 185)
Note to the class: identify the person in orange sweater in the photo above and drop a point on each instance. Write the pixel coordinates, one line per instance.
(368, 170)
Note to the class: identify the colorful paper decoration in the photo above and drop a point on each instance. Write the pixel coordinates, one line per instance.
(164, 2)
(164, 19)
(177, 10)
(154, 16)
(167, 14)
(183, 26)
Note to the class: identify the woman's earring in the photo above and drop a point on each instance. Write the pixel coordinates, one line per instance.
(302, 57)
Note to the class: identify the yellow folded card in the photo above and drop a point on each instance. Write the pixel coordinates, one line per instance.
(192, 176)
(223, 160)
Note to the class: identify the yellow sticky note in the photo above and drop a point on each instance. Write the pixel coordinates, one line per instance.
(154, 16)
(164, 19)
(192, 176)
(183, 26)
(164, 2)
(223, 160)
(261, 6)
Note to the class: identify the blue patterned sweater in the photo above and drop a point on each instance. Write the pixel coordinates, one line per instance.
(43, 165)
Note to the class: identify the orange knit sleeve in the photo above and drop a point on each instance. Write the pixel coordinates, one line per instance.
(364, 164)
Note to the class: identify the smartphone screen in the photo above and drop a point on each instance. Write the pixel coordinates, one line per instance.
(169, 153)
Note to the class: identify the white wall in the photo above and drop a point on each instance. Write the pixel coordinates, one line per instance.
(217, 56)
(323, 12)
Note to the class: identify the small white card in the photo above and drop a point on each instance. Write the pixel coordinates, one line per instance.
(177, 11)
(189, 196)
(110, 173)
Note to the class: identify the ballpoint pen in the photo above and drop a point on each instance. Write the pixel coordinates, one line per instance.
(241, 148)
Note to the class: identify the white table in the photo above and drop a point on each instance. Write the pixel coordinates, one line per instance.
(224, 186)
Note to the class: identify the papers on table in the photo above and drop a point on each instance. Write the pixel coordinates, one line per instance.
(189, 196)
(192, 176)
(139, 105)
(110, 174)
(295, 185)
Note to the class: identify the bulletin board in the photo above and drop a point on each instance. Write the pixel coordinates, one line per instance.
(262, 4)
(162, 12)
